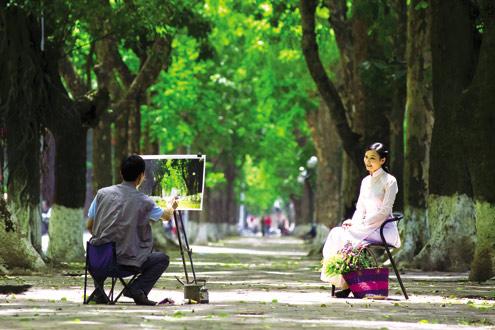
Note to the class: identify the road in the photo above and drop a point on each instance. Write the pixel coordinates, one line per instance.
(254, 283)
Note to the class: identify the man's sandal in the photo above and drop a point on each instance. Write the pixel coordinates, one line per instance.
(166, 301)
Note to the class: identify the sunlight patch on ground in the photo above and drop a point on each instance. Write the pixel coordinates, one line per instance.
(223, 250)
(12, 311)
(78, 321)
(264, 241)
(435, 277)
(379, 324)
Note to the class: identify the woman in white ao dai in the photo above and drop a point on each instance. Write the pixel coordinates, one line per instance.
(374, 206)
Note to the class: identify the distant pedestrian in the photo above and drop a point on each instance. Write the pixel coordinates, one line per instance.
(267, 224)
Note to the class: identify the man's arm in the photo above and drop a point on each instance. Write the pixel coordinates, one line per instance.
(164, 214)
(91, 216)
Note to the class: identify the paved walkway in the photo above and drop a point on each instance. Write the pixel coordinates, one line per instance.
(254, 283)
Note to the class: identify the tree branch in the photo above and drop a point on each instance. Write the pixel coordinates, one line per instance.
(158, 58)
(339, 22)
(71, 78)
(92, 107)
(89, 103)
(328, 92)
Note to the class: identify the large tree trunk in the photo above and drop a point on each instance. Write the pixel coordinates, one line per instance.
(67, 219)
(202, 236)
(398, 105)
(297, 204)
(329, 152)
(231, 206)
(479, 145)
(67, 120)
(48, 170)
(21, 100)
(22, 209)
(102, 155)
(134, 119)
(120, 137)
(418, 123)
(210, 217)
(451, 212)
(150, 146)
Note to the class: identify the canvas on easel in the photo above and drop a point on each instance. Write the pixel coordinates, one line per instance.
(180, 176)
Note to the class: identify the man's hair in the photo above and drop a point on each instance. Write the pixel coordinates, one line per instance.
(131, 167)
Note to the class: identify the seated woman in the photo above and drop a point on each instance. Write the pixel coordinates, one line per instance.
(374, 206)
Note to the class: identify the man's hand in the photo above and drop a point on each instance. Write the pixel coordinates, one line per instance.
(174, 203)
(169, 211)
(347, 223)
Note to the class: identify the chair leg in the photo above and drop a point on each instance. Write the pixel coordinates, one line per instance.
(85, 284)
(396, 272)
(333, 290)
(126, 285)
(110, 293)
(91, 296)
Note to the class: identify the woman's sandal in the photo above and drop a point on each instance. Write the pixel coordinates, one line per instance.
(341, 293)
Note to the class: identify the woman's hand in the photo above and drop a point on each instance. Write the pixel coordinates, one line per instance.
(347, 223)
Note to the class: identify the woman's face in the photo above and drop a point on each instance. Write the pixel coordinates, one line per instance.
(372, 161)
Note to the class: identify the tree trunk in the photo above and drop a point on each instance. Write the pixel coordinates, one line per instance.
(329, 153)
(479, 145)
(351, 181)
(23, 206)
(21, 100)
(134, 135)
(48, 169)
(14, 218)
(149, 146)
(451, 215)
(64, 118)
(102, 155)
(120, 137)
(396, 118)
(210, 217)
(418, 123)
(67, 219)
(298, 217)
(231, 207)
(202, 237)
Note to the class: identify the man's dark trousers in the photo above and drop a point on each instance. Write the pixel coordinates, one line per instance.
(151, 270)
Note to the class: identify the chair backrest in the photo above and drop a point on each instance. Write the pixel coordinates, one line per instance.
(396, 216)
(101, 259)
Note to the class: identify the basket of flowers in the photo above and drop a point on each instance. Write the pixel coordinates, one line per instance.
(360, 270)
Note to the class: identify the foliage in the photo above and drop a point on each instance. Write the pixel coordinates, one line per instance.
(347, 259)
(244, 106)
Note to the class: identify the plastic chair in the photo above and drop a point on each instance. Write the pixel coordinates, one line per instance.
(397, 216)
(101, 263)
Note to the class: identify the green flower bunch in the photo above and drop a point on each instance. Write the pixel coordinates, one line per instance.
(347, 259)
